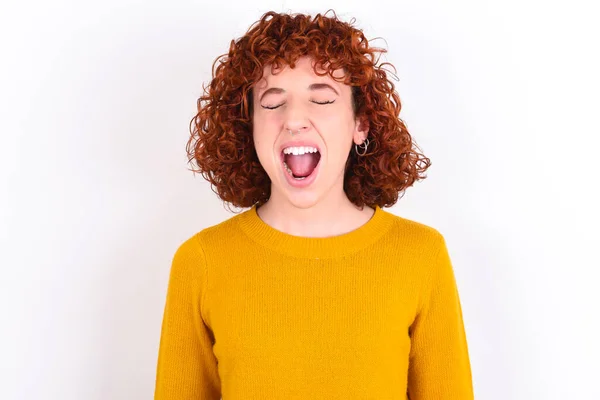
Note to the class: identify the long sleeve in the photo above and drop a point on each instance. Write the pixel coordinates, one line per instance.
(439, 366)
(187, 367)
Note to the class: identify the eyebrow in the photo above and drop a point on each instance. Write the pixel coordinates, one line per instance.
(312, 87)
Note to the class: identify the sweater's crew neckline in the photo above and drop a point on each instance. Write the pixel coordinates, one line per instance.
(315, 247)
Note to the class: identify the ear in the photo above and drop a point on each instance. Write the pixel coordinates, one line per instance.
(361, 130)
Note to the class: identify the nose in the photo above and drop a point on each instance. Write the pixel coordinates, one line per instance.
(296, 131)
(296, 120)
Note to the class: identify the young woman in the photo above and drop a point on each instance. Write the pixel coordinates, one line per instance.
(315, 292)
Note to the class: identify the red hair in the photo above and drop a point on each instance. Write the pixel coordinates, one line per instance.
(221, 142)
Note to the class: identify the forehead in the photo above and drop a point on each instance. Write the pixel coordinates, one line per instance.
(304, 69)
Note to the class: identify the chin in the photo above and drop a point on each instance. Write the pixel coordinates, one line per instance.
(303, 200)
(298, 198)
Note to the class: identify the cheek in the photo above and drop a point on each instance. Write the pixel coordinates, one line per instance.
(265, 117)
(264, 127)
(264, 139)
(339, 128)
(339, 118)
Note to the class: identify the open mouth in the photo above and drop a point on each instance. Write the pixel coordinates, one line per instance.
(300, 162)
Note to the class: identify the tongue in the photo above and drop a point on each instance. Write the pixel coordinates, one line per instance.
(302, 165)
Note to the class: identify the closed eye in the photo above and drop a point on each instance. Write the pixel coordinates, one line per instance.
(316, 102)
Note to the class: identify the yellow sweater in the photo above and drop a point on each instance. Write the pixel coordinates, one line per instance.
(254, 313)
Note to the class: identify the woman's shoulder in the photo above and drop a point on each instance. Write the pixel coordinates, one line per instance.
(216, 233)
(417, 232)
(413, 226)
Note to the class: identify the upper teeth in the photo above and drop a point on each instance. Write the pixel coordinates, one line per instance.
(299, 150)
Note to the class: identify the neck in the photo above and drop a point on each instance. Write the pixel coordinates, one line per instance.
(333, 215)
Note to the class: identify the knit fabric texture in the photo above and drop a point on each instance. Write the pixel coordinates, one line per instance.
(254, 313)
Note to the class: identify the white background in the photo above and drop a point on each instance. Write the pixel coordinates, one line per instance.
(95, 193)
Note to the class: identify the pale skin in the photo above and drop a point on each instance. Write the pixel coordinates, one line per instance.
(321, 209)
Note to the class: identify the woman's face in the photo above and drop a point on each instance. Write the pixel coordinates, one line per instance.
(319, 112)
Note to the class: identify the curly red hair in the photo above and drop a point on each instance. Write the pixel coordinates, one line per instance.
(221, 141)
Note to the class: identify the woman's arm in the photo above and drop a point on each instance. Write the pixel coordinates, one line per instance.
(439, 359)
(187, 367)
